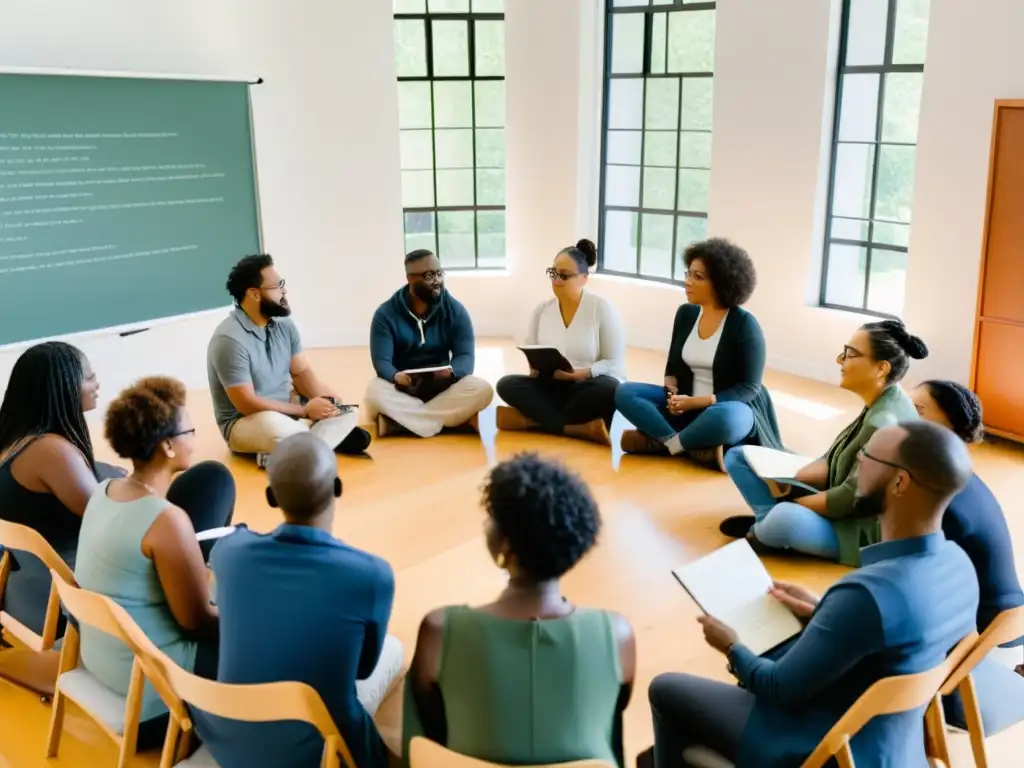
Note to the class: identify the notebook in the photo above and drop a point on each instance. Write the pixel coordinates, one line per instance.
(731, 584)
(779, 467)
(546, 360)
(425, 385)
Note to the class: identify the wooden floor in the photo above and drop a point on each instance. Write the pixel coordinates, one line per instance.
(416, 503)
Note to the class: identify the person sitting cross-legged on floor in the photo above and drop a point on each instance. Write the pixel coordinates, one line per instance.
(298, 604)
(588, 331)
(712, 397)
(424, 326)
(255, 361)
(902, 612)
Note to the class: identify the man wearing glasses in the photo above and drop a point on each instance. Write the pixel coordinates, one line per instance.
(423, 351)
(263, 387)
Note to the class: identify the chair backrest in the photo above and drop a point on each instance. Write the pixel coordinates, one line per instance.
(887, 697)
(20, 537)
(1008, 625)
(424, 753)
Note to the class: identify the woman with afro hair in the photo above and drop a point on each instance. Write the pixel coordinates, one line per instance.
(529, 678)
(712, 398)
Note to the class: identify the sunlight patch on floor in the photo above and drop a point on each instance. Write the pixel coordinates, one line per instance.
(803, 406)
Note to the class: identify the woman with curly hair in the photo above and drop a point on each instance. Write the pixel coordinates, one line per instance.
(712, 397)
(588, 332)
(529, 678)
(140, 549)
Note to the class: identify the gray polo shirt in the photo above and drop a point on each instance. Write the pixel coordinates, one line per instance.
(241, 352)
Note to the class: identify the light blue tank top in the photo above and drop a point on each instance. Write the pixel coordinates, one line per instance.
(110, 562)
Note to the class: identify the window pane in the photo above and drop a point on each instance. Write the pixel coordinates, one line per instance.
(659, 43)
(490, 238)
(656, 245)
(454, 148)
(411, 48)
(895, 182)
(622, 185)
(620, 243)
(627, 42)
(414, 105)
(420, 231)
(662, 103)
(410, 6)
(694, 150)
(891, 234)
(689, 229)
(660, 148)
(849, 229)
(454, 188)
(911, 38)
(490, 187)
(417, 189)
(417, 150)
(852, 193)
(490, 148)
(659, 188)
(858, 111)
(693, 190)
(490, 48)
(626, 103)
(490, 103)
(902, 110)
(844, 284)
(865, 34)
(448, 6)
(488, 6)
(451, 48)
(887, 285)
(691, 41)
(621, 3)
(697, 103)
(453, 107)
(456, 238)
(624, 147)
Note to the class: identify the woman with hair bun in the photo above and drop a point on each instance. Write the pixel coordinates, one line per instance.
(825, 523)
(587, 330)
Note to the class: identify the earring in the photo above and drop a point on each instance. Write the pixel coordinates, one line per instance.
(500, 560)
(170, 453)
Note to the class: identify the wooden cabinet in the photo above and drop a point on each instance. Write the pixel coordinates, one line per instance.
(997, 372)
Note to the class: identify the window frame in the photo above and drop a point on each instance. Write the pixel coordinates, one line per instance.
(470, 17)
(649, 11)
(883, 69)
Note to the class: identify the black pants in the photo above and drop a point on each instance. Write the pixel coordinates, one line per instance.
(556, 404)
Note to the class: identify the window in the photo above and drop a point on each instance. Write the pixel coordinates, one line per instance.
(656, 155)
(878, 101)
(451, 106)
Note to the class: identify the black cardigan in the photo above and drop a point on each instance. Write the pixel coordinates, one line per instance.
(736, 371)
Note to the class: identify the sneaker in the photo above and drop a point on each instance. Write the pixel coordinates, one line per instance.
(262, 459)
(737, 527)
(511, 420)
(387, 427)
(595, 431)
(635, 441)
(712, 458)
(357, 442)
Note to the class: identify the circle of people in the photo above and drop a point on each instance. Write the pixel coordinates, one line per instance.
(529, 678)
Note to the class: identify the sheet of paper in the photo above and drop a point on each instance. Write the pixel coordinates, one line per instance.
(775, 465)
(215, 533)
(413, 371)
(732, 585)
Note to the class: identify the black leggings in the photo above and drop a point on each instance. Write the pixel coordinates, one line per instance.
(557, 404)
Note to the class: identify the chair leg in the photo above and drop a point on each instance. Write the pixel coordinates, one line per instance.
(975, 725)
(56, 724)
(936, 742)
(170, 751)
(132, 716)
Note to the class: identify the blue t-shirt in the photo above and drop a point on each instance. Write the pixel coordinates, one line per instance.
(297, 604)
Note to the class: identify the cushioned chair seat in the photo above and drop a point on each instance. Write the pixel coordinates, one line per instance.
(201, 759)
(101, 702)
(704, 757)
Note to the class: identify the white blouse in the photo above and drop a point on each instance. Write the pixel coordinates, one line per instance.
(699, 355)
(595, 338)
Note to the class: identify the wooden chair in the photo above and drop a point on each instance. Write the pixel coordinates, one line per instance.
(117, 715)
(888, 696)
(424, 753)
(1008, 625)
(35, 665)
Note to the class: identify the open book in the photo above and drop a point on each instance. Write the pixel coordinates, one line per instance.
(777, 467)
(425, 385)
(546, 360)
(422, 371)
(731, 584)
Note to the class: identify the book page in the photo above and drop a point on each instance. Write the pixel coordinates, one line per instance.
(414, 371)
(775, 465)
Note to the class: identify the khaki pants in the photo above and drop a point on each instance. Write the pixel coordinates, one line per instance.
(260, 432)
(374, 689)
(452, 408)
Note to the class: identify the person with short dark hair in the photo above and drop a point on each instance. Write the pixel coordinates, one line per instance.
(713, 397)
(914, 598)
(299, 604)
(588, 332)
(141, 550)
(263, 386)
(976, 522)
(423, 326)
(823, 523)
(530, 678)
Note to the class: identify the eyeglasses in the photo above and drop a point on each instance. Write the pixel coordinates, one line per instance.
(432, 276)
(182, 433)
(279, 287)
(864, 452)
(554, 274)
(691, 275)
(848, 353)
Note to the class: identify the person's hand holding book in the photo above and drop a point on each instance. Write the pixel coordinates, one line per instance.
(718, 635)
(800, 601)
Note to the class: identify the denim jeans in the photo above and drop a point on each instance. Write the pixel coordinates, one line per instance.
(646, 408)
(781, 524)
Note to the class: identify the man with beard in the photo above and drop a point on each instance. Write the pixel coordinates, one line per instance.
(422, 326)
(914, 598)
(263, 387)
